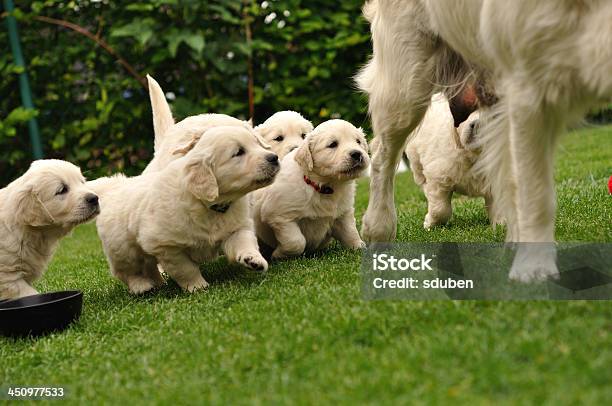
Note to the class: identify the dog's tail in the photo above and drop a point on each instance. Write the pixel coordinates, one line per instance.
(162, 116)
(101, 186)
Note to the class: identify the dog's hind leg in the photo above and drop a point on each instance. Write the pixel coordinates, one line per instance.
(147, 279)
(399, 94)
(439, 207)
(533, 132)
(152, 272)
(128, 273)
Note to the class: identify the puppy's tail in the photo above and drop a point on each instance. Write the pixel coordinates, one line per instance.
(101, 186)
(162, 116)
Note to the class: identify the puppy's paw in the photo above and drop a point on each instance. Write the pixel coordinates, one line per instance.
(430, 222)
(195, 285)
(534, 264)
(278, 253)
(253, 261)
(356, 245)
(139, 285)
(293, 248)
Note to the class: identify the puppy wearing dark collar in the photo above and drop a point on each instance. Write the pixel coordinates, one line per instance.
(186, 213)
(312, 198)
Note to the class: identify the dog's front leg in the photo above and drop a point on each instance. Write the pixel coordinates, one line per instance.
(394, 117)
(344, 230)
(182, 269)
(532, 138)
(291, 241)
(242, 247)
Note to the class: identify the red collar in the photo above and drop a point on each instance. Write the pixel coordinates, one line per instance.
(323, 189)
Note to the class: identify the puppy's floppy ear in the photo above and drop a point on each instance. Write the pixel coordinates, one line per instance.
(201, 180)
(262, 141)
(261, 130)
(303, 156)
(29, 210)
(260, 133)
(187, 147)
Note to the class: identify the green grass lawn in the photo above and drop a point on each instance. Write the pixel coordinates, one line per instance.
(301, 333)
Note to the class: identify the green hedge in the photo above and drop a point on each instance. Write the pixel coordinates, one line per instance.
(94, 113)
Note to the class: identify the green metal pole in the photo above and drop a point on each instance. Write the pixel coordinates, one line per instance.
(24, 84)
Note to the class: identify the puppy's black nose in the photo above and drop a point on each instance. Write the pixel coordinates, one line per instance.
(272, 158)
(91, 199)
(356, 156)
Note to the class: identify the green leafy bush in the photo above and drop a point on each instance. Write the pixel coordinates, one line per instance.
(94, 113)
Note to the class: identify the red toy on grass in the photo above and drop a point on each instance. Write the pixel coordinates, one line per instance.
(610, 185)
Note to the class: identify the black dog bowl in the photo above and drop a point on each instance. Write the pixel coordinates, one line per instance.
(40, 314)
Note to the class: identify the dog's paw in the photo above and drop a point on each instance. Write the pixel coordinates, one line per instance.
(253, 261)
(378, 231)
(139, 285)
(195, 285)
(534, 264)
(357, 245)
(428, 223)
(278, 253)
(533, 273)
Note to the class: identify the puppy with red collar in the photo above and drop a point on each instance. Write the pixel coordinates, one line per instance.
(312, 198)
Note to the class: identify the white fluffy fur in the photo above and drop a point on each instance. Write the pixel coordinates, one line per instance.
(549, 61)
(284, 131)
(168, 135)
(36, 210)
(167, 217)
(441, 159)
(291, 216)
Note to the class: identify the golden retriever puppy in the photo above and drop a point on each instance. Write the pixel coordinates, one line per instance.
(187, 212)
(168, 135)
(312, 199)
(441, 159)
(36, 211)
(537, 65)
(284, 131)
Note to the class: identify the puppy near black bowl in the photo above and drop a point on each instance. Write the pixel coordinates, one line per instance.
(40, 314)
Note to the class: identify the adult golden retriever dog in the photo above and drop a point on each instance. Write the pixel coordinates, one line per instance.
(36, 211)
(539, 65)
